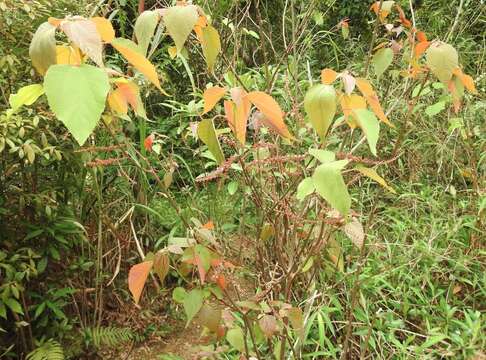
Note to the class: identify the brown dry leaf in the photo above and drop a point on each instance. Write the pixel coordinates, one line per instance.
(355, 232)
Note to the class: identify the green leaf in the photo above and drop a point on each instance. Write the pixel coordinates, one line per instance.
(42, 48)
(77, 95)
(25, 96)
(323, 156)
(306, 187)
(179, 21)
(370, 125)
(433, 110)
(14, 305)
(442, 59)
(382, 60)
(207, 134)
(179, 294)
(320, 106)
(211, 45)
(145, 29)
(236, 338)
(192, 304)
(329, 183)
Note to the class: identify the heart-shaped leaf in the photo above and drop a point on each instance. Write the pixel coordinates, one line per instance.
(145, 28)
(77, 95)
(320, 106)
(442, 59)
(382, 60)
(179, 21)
(137, 276)
(329, 183)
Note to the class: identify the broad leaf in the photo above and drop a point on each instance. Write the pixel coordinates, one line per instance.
(236, 338)
(117, 102)
(210, 317)
(372, 99)
(373, 175)
(129, 51)
(211, 97)
(442, 59)
(179, 21)
(192, 304)
(77, 95)
(320, 106)
(268, 324)
(350, 103)
(306, 187)
(137, 276)
(25, 96)
(370, 125)
(42, 48)
(131, 93)
(328, 76)
(237, 112)
(324, 156)
(211, 45)
(355, 232)
(161, 265)
(68, 55)
(84, 34)
(145, 26)
(104, 28)
(272, 111)
(207, 134)
(329, 183)
(466, 80)
(382, 60)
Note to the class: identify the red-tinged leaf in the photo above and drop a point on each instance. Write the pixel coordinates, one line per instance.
(117, 102)
(456, 89)
(104, 28)
(221, 332)
(131, 92)
(403, 19)
(137, 60)
(137, 276)
(84, 34)
(268, 324)
(372, 99)
(148, 142)
(221, 281)
(421, 37)
(420, 48)
(272, 111)
(211, 97)
(328, 76)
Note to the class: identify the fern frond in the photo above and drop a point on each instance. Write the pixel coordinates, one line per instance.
(50, 350)
(109, 336)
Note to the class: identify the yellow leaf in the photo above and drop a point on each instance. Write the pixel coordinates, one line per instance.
(118, 102)
(350, 103)
(172, 50)
(372, 99)
(272, 111)
(105, 29)
(211, 45)
(137, 276)
(211, 97)
(373, 175)
(237, 112)
(328, 76)
(68, 55)
(137, 60)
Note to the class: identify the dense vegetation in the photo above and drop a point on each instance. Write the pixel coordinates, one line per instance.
(242, 179)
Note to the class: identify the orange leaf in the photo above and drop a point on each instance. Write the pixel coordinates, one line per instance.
(105, 29)
(237, 112)
(209, 225)
(328, 76)
(403, 19)
(466, 80)
(137, 276)
(148, 142)
(118, 102)
(211, 97)
(420, 48)
(350, 103)
(54, 21)
(421, 37)
(272, 111)
(221, 281)
(372, 99)
(138, 61)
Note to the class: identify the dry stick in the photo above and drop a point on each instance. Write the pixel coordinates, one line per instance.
(373, 38)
